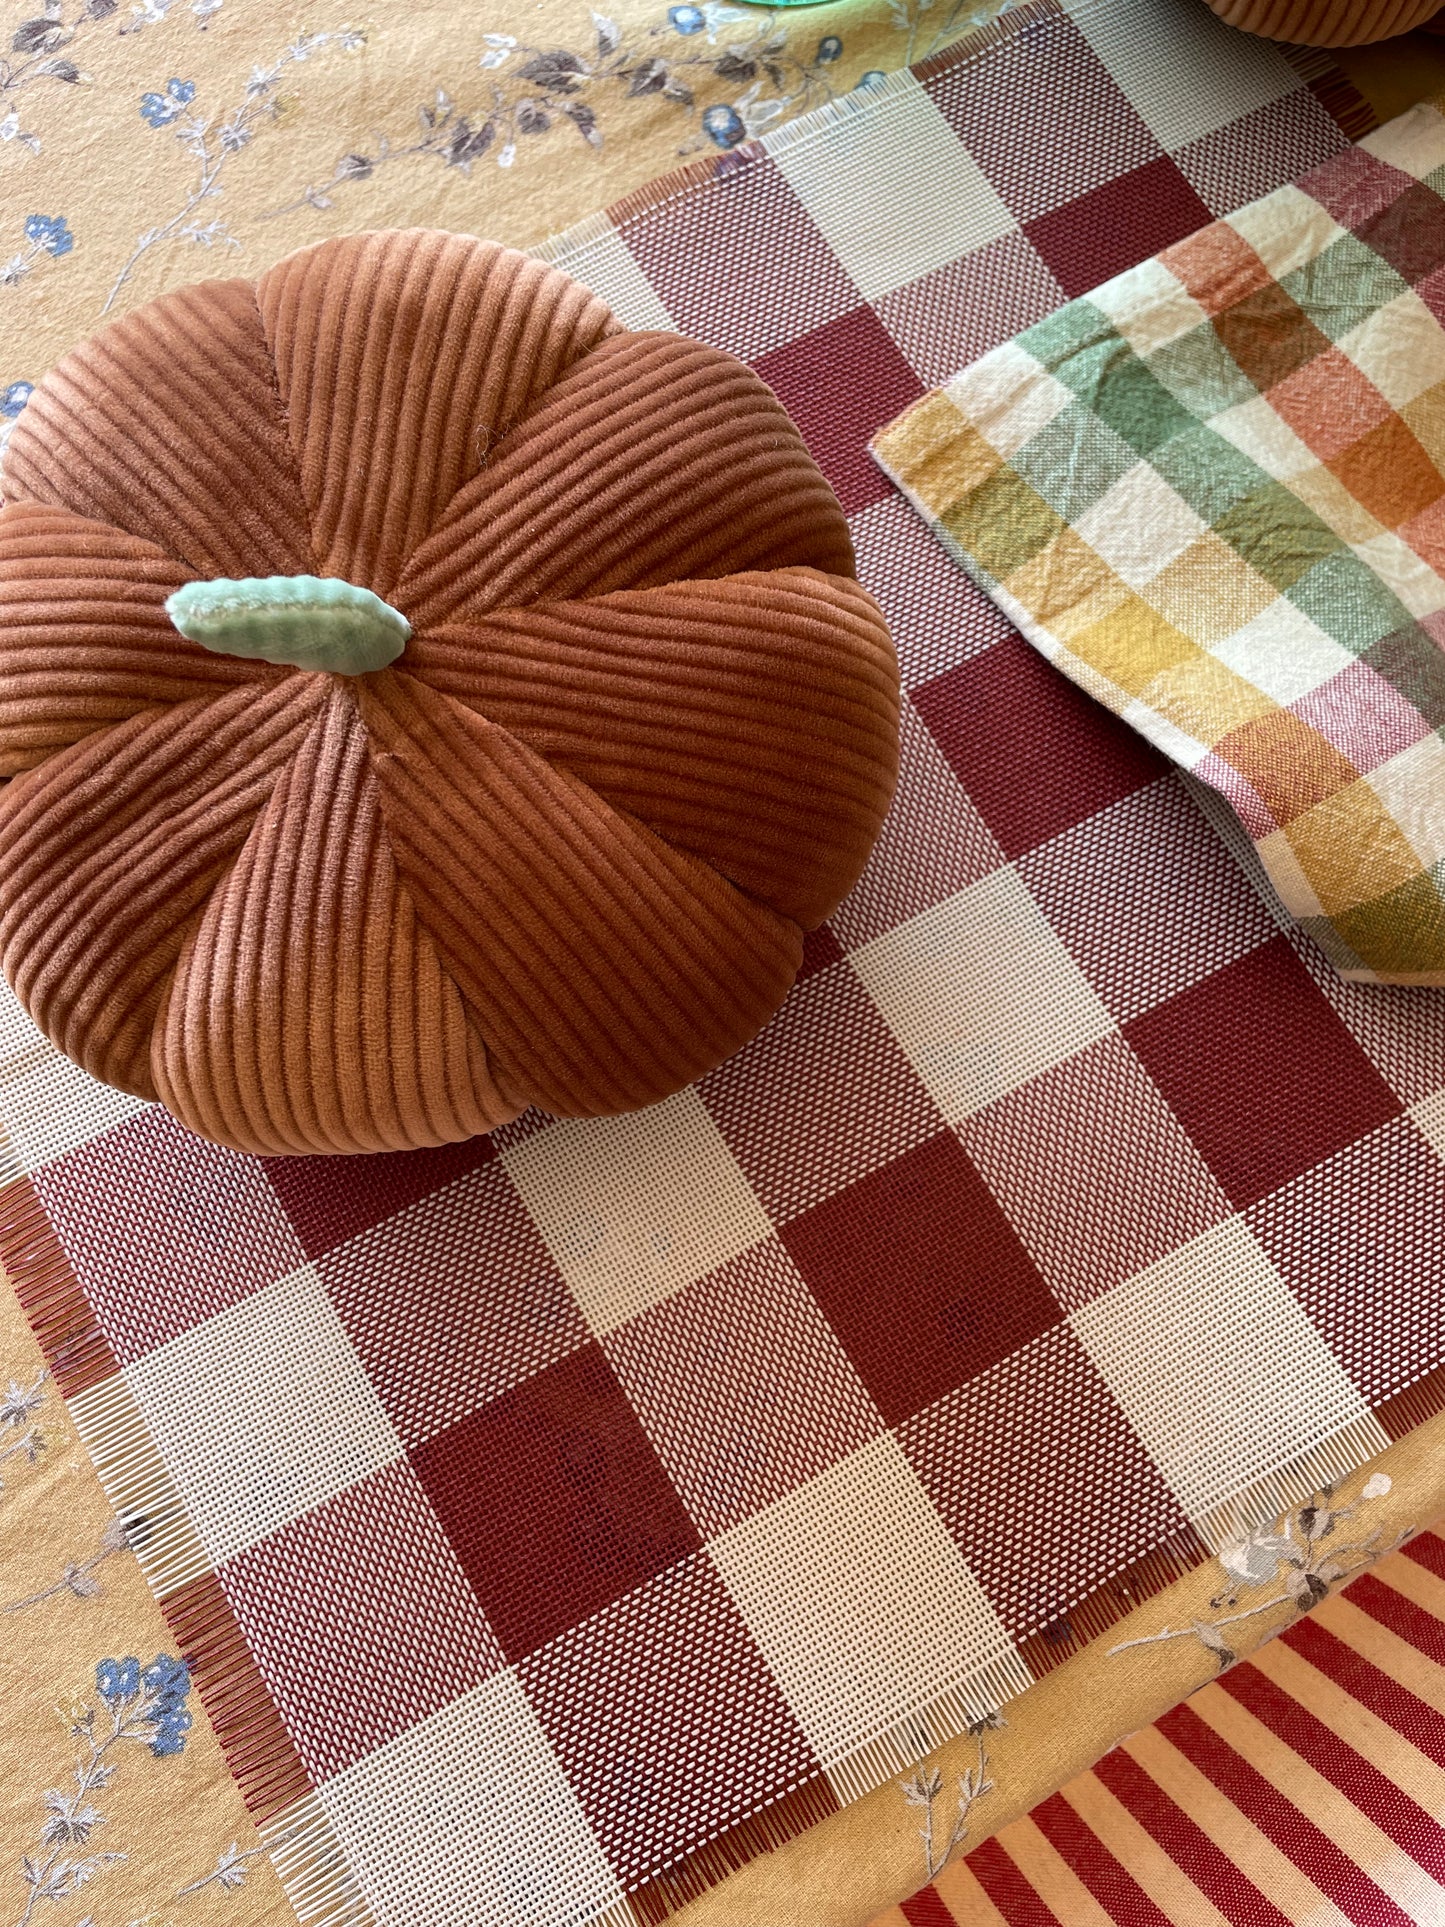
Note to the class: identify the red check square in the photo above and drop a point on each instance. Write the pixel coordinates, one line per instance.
(1040, 1436)
(358, 1647)
(921, 1276)
(1120, 224)
(555, 1501)
(201, 1229)
(1356, 1240)
(451, 1302)
(1261, 1072)
(1034, 753)
(743, 1387)
(817, 379)
(666, 1718)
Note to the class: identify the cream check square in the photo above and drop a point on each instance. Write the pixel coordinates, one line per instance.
(1008, 397)
(850, 177)
(50, 1105)
(1184, 72)
(852, 1586)
(1140, 525)
(1218, 1366)
(1429, 1116)
(1403, 571)
(1149, 306)
(1412, 787)
(289, 1419)
(468, 1820)
(632, 1208)
(595, 254)
(1283, 653)
(1400, 348)
(981, 994)
(1415, 142)
(1258, 432)
(1287, 229)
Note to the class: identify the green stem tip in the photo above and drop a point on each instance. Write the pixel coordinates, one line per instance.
(305, 621)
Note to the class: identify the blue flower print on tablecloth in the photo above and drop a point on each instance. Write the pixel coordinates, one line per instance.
(50, 232)
(168, 1681)
(45, 234)
(161, 109)
(117, 1680)
(724, 125)
(132, 1703)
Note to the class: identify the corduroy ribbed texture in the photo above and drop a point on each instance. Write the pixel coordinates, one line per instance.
(1325, 23)
(564, 850)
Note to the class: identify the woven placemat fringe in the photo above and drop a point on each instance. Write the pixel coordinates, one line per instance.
(990, 33)
(1103, 1608)
(50, 1295)
(259, 1751)
(818, 120)
(310, 1864)
(773, 1826)
(1425, 1399)
(1295, 1482)
(1339, 96)
(901, 1746)
(141, 1491)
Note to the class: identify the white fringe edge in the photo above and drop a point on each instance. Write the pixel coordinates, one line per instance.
(322, 1886)
(845, 107)
(312, 1867)
(558, 248)
(1297, 1480)
(951, 1712)
(141, 1491)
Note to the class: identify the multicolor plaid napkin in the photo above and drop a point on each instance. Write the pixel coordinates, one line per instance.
(1211, 493)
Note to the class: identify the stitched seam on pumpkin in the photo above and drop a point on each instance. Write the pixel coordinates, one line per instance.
(284, 412)
(422, 926)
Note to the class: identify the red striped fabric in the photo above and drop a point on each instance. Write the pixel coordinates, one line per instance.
(1422, 1725)
(1106, 1878)
(1187, 1844)
(1301, 1786)
(1393, 1812)
(1008, 1887)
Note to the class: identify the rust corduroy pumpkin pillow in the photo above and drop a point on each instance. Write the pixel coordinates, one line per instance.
(420, 698)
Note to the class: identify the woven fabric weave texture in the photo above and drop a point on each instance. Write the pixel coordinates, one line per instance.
(650, 1487)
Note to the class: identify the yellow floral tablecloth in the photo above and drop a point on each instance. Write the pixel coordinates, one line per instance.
(116, 1805)
(144, 143)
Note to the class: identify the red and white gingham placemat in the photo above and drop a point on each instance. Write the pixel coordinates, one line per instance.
(539, 1511)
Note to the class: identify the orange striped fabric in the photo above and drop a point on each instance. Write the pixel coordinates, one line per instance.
(1305, 1785)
